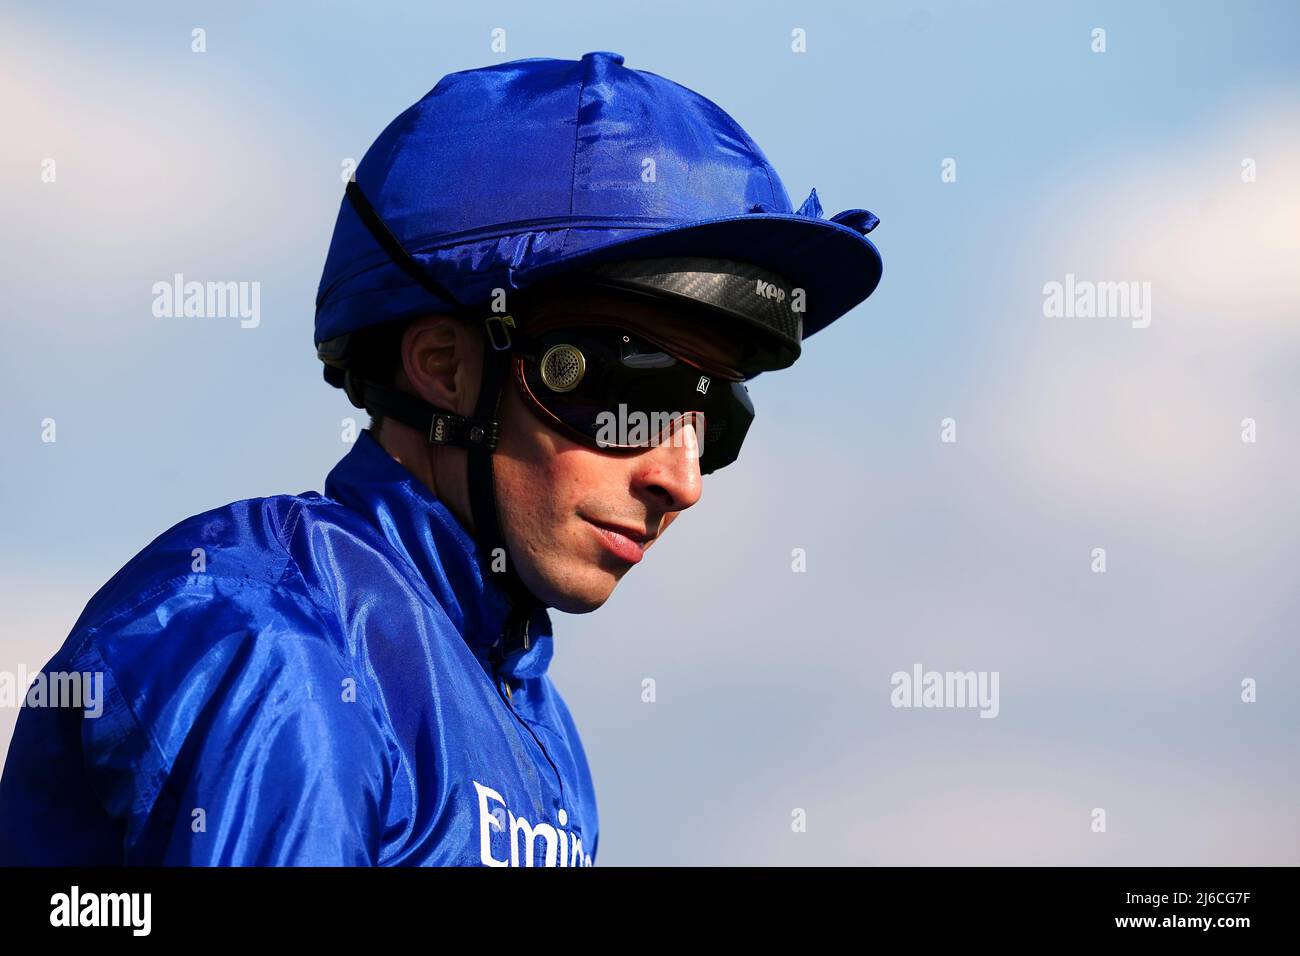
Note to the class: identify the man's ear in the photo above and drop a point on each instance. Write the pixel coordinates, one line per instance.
(442, 361)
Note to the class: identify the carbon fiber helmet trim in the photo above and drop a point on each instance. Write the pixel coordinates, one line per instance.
(768, 309)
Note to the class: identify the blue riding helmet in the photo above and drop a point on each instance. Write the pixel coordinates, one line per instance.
(509, 174)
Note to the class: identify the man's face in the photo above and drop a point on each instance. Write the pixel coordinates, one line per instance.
(559, 500)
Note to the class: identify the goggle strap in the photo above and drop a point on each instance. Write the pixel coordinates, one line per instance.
(442, 427)
(379, 230)
(483, 503)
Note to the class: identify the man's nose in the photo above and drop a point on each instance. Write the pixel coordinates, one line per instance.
(670, 470)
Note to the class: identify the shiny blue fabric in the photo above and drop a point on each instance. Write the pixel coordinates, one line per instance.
(323, 693)
(503, 176)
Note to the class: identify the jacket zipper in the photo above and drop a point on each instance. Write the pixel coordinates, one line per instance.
(517, 626)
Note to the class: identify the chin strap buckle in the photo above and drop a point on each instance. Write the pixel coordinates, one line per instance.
(500, 340)
(448, 429)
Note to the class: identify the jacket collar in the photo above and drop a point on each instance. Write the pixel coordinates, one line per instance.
(425, 534)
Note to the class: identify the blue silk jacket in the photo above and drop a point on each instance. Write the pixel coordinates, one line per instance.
(303, 680)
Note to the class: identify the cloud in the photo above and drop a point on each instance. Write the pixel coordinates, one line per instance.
(1104, 415)
(166, 161)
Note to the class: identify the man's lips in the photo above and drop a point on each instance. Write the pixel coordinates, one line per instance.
(626, 543)
(640, 537)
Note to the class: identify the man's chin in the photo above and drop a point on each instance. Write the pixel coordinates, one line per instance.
(581, 597)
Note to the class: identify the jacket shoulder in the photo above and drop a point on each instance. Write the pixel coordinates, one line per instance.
(222, 574)
(210, 645)
(240, 541)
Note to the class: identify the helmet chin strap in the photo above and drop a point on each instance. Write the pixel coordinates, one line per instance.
(482, 489)
(479, 435)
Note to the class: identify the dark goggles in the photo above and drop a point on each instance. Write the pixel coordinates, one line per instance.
(609, 387)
